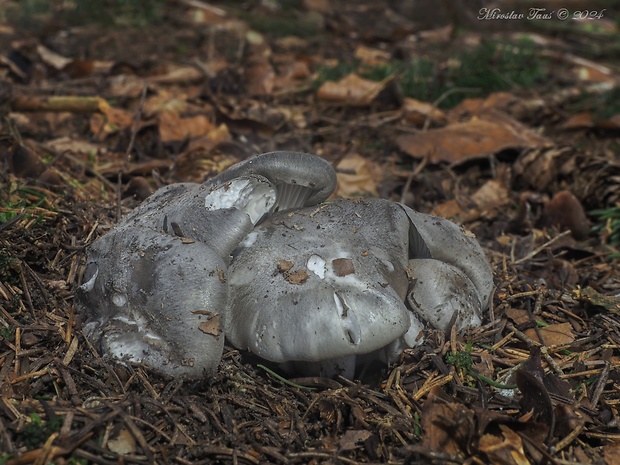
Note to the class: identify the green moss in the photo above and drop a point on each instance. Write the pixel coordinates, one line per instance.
(490, 67)
(608, 224)
(37, 431)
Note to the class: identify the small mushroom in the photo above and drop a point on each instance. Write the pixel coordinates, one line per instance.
(358, 257)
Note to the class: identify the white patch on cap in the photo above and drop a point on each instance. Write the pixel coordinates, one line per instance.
(119, 300)
(250, 195)
(316, 264)
(90, 284)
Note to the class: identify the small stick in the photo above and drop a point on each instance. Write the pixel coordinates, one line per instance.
(536, 251)
(284, 380)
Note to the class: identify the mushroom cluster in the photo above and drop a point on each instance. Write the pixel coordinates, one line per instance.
(257, 255)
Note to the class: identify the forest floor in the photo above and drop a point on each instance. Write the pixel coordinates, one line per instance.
(507, 124)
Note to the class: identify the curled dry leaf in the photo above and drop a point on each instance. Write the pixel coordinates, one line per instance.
(471, 139)
(444, 424)
(420, 112)
(351, 90)
(372, 56)
(109, 121)
(358, 176)
(487, 200)
(125, 85)
(506, 449)
(540, 167)
(174, 128)
(123, 443)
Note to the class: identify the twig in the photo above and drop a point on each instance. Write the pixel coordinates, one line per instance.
(600, 385)
(284, 380)
(536, 251)
(418, 169)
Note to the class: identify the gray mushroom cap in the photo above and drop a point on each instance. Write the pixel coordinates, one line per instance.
(301, 179)
(321, 284)
(451, 244)
(351, 280)
(156, 299)
(155, 287)
(441, 294)
(203, 213)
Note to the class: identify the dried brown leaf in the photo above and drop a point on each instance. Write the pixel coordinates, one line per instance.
(472, 139)
(420, 112)
(351, 90)
(358, 176)
(554, 334)
(506, 449)
(174, 128)
(212, 326)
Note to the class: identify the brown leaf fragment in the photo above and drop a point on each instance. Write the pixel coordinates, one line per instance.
(351, 90)
(372, 56)
(123, 443)
(554, 334)
(212, 326)
(343, 266)
(297, 276)
(358, 176)
(579, 121)
(506, 449)
(109, 121)
(611, 454)
(519, 316)
(174, 128)
(446, 424)
(284, 266)
(475, 138)
(493, 194)
(452, 210)
(540, 167)
(593, 297)
(352, 439)
(260, 78)
(420, 112)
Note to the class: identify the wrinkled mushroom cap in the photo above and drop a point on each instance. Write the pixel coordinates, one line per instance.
(301, 179)
(441, 294)
(451, 244)
(321, 283)
(155, 286)
(155, 299)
